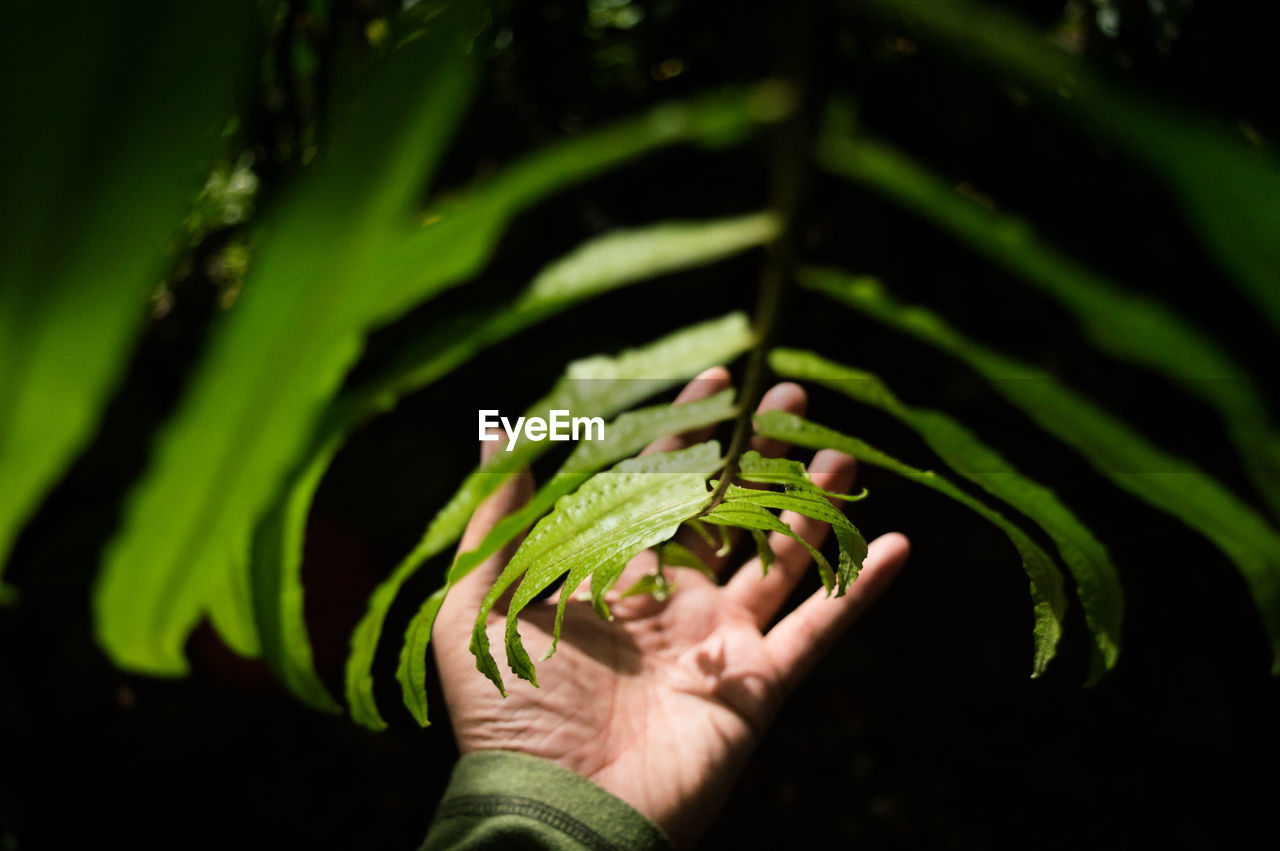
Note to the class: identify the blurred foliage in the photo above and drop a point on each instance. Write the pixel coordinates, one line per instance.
(1117, 451)
(1127, 326)
(1230, 191)
(108, 124)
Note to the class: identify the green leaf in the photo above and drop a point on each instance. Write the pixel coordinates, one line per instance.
(1134, 328)
(278, 592)
(763, 550)
(598, 386)
(1097, 583)
(598, 265)
(231, 610)
(626, 256)
(412, 671)
(625, 436)
(602, 581)
(754, 467)
(278, 355)
(89, 196)
(459, 232)
(1111, 446)
(1230, 192)
(675, 554)
(1046, 579)
(810, 501)
(629, 433)
(601, 526)
(653, 584)
(670, 554)
(701, 530)
(746, 514)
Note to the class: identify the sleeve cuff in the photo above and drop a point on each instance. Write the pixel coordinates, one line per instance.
(498, 798)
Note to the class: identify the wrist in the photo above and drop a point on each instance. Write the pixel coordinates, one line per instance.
(512, 794)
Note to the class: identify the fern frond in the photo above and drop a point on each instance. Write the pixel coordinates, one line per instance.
(1131, 327)
(274, 360)
(1097, 582)
(625, 436)
(598, 528)
(1231, 194)
(599, 265)
(1047, 590)
(1114, 448)
(617, 383)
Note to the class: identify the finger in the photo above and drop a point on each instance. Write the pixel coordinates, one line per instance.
(512, 495)
(802, 637)
(786, 396)
(707, 383)
(763, 595)
(789, 397)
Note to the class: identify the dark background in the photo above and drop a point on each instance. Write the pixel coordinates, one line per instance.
(922, 729)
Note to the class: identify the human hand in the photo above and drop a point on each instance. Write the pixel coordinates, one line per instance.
(663, 705)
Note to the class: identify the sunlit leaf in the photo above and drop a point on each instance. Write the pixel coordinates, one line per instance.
(625, 256)
(1097, 583)
(597, 266)
(278, 355)
(1115, 449)
(625, 436)
(601, 264)
(89, 196)
(745, 514)
(1131, 327)
(598, 386)
(754, 467)
(1230, 192)
(1047, 591)
(600, 526)
(602, 582)
(811, 501)
(629, 433)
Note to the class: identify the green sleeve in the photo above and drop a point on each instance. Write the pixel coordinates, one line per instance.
(502, 799)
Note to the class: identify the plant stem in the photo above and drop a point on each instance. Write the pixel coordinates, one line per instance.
(791, 30)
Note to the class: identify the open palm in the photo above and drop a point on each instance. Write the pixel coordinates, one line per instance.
(662, 705)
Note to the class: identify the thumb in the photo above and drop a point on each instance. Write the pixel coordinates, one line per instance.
(510, 496)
